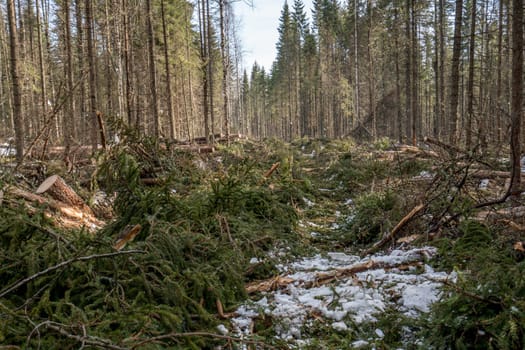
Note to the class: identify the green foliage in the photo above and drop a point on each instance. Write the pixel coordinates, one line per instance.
(374, 214)
(202, 222)
(485, 308)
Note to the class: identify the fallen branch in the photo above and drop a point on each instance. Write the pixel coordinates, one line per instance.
(83, 339)
(395, 230)
(65, 263)
(204, 334)
(321, 278)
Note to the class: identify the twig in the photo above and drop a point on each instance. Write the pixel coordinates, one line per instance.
(63, 264)
(203, 334)
(83, 339)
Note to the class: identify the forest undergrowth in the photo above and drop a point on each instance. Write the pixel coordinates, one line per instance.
(210, 224)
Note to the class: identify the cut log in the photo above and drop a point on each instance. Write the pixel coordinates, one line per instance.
(73, 215)
(59, 190)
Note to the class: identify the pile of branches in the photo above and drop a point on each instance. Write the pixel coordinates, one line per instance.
(170, 265)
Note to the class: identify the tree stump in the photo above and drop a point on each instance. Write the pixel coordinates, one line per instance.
(58, 189)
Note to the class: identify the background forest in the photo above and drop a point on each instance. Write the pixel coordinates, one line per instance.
(402, 69)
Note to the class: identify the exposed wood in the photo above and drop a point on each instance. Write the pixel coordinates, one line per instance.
(272, 169)
(395, 230)
(127, 235)
(74, 216)
(57, 188)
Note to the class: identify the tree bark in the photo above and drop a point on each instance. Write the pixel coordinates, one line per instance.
(15, 81)
(517, 96)
(454, 76)
(92, 76)
(152, 71)
(470, 87)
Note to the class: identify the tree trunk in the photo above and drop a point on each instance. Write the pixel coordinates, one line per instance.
(454, 75)
(470, 86)
(517, 96)
(225, 69)
(152, 71)
(92, 76)
(171, 114)
(15, 82)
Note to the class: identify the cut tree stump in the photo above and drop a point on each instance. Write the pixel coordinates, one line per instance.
(62, 213)
(58, 189)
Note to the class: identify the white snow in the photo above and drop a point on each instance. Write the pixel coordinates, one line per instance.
(349, 300)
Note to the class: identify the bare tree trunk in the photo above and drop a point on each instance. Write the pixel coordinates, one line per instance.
(68, 122)
(92, 76)
(454, 76)
(517, 96)
(498, 70)
(356, 64)
(171, 113)
(41, 66)
(225, 69)
(152, 71)
(470, 86)
(201, 8)
(210, 69)
(408, 71)
(17, 98)
(127, 62)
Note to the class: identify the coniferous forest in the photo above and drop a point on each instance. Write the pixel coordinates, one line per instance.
(159, 192)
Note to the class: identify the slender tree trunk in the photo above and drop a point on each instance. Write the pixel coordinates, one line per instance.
(152, 71)
(454, 76)
(41, 66)
(408, 71)
(201, 9)
(68, 122)
(225, 69)
(441, 106)
(517, 97)
(127, 62)
(416, 115)
(356, 63)
(470, 86)
(15, 82)
(498, 70)
(399, 116)
(92, 76)
(210, 69)
(171, 113)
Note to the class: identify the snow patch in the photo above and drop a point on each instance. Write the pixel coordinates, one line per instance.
(349, 300)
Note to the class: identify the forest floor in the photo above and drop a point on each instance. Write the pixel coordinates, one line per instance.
(309, 245)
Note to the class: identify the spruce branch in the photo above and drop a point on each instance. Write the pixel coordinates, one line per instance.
(83, 339)
(26, 280)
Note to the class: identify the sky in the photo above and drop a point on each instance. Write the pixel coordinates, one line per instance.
(258, 29)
